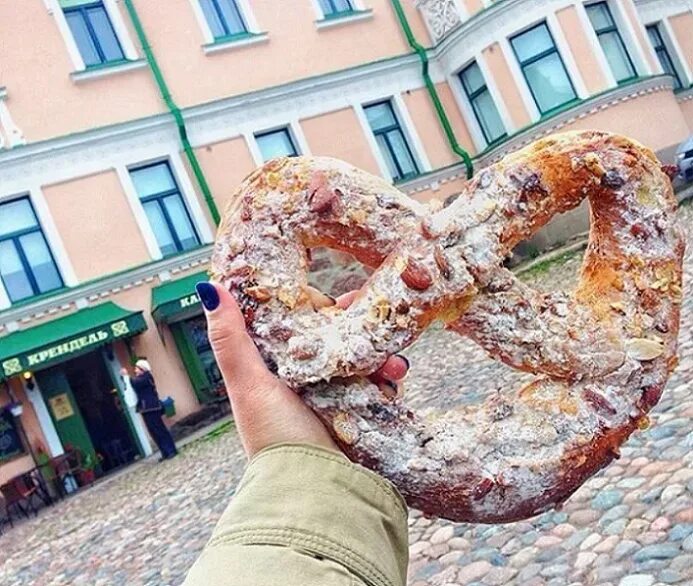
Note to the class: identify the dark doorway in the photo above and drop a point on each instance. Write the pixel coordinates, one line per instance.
(101, 409)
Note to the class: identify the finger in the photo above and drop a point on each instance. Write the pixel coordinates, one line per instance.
(238, 358)
(395, 369)
(319, 299)
(344, 301)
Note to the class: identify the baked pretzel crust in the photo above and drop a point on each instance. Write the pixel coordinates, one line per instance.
(602, 355)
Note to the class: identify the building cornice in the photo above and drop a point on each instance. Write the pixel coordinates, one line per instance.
(97, 291)
(96, 150)
(551, 125)
(655, 10)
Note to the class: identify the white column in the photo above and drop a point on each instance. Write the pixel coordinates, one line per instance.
(130, 399)
(55, 446)
(588, 29)
(677, 54)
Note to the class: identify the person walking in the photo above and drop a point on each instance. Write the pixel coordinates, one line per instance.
(149, 405)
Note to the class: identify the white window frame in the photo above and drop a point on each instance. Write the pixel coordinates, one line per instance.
(116, 18)
(408, 129)
(588, 30)
(563, 50)
(468, 114)
(50, 233)
(187, 192)
(245, 10)
(295, 132)
(630, 39)
(675, 51)
(320, 14)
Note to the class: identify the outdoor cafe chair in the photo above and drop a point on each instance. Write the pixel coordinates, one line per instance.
(18, 494)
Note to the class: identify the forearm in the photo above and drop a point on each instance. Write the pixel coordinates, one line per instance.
(306, 515)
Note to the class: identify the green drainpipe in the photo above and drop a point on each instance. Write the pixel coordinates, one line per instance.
(175, 111)
(442, 116)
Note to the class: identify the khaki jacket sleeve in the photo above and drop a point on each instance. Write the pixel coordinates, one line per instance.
(304, 515)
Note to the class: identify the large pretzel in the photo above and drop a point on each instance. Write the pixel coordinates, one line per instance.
(603, 355)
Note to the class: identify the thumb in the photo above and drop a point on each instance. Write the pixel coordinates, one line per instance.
(237, 356)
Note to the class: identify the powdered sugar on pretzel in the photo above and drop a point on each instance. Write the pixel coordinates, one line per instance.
(602, 356)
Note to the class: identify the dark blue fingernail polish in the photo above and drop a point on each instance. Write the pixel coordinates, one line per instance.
(406, 360)
(208, 295)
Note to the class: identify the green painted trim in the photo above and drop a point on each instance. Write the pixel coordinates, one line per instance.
(343, 14)
(432, 92)
(231, 38)
(177, 299)
(191, 362)
(107, 64)
(174, 110)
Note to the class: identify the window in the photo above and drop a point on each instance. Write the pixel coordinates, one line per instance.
(224, 18)
(276, 143)
(94, 34)
(663, 54)
(391, 141)
(27, 266)
(611, 41)
(482, 103)
(543, 68)
(332, 8)
(165, 208)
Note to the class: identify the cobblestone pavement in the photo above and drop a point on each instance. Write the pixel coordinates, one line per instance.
(632, 525)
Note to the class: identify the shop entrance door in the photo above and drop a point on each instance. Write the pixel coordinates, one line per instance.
(64, 410)
(102, 410)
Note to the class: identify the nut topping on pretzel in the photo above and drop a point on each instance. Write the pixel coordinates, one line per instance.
(602, 356)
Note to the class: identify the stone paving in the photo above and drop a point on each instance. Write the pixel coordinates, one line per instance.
(631, 525)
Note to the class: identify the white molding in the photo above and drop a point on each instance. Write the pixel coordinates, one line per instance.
(56, 11)
(232, 44)
(347, 19)
(370, 139)
(358, 6)
(50, 231)
(11, 131)
(519, 79)
(554, 124)
(138, 212)
(467, 112)
(107, 71)
(248, 15)
(299, 137)
(410, 133)
(655, 10)
(588, 29)
(127, 392)
(630, 38)
(4, 298)
(48, 429)
(496, 94)
(567, 56)
(253, 147)
(677, 54)
(190, 196)
(207, 35)
(121, 30)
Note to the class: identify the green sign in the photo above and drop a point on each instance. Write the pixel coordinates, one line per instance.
(189, 301)
(63, 339)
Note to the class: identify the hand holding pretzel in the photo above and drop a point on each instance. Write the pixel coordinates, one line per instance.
(602, 356)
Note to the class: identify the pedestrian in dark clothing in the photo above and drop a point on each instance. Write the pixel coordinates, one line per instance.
(149, 405)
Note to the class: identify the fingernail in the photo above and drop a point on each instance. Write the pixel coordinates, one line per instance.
(406, 360)
(208, 295)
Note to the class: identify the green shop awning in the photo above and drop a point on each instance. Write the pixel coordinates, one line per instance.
(177, 300)
(64, 338)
